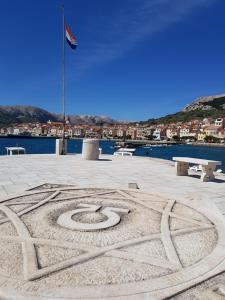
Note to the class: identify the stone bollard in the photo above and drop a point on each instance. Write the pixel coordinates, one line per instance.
(90, 149)
(58, 146)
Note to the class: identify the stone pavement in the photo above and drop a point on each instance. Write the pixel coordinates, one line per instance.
(18, 173)
(97, 239)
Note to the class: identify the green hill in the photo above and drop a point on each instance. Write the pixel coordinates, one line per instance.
(202, 107)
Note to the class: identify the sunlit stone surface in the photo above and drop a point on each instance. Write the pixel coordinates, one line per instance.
(84, 235)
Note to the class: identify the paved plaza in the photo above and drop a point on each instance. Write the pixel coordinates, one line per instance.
(73, 229)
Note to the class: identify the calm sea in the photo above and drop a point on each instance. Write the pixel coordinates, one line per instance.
(45, 145)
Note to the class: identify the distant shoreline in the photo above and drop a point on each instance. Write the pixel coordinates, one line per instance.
(113, 140)
(209, 144)
(25, 137)
(47, 137)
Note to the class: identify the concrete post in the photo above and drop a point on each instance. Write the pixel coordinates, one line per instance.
(207, 173)
(90, 149)
(181, 168)
(58, 146)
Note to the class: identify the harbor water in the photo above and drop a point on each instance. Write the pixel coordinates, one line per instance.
(47, 146)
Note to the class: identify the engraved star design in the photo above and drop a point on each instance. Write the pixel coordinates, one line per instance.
(30, 261)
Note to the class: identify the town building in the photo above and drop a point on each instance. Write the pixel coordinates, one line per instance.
(220, 122)
(171, 132)
(211, 130)
(201, 136)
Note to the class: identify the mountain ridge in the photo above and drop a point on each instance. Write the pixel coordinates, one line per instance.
(19, 114)
(202, 107)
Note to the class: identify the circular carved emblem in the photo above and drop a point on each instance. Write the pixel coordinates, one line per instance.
(69, 243)
(111, 213)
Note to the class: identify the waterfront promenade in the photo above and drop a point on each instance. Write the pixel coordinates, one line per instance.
(161, 240)
(20, 173)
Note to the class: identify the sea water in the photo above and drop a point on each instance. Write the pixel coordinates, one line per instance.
(47, 146)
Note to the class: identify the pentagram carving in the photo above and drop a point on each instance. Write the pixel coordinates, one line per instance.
(62, 242)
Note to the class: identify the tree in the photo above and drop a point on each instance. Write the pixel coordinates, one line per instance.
(211, 139)
(149, 137)
(176, 138)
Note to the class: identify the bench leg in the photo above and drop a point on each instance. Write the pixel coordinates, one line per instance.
(181, 168)
(207, 173)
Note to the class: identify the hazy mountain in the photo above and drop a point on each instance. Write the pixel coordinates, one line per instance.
(23, 114)
(87, 120)
(29, 114)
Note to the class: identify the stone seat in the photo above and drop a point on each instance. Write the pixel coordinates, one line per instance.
(208, 167)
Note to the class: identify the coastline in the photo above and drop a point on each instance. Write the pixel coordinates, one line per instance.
(116, 140)
(208, 144)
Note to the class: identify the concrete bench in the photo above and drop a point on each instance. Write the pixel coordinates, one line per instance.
(208, 166)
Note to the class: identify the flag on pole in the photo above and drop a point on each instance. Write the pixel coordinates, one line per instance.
(70, 38)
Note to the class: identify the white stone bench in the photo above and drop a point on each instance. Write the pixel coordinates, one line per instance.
(208, 166)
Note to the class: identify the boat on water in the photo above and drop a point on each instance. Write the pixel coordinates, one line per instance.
(155, 146)
(198, 168)
(123, 144)
(161, 145)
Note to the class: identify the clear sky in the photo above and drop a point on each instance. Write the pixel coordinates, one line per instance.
(136, 59)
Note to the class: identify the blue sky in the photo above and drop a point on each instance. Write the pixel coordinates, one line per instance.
(136, 59)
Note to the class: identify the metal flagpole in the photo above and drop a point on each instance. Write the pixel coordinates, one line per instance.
(63, 150)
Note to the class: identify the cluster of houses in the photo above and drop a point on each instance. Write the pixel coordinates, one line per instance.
(197, 130)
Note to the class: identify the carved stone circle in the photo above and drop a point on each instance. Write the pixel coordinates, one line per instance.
(60, 242)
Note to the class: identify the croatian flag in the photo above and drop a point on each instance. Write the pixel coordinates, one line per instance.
(71, 40)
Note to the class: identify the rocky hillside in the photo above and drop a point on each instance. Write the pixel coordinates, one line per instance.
(29, 114)
(202, 107)
(207, 103)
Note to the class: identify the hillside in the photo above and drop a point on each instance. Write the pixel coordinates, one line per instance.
(28, 114)
(23, 114)
(216, 102)
(202, 107)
